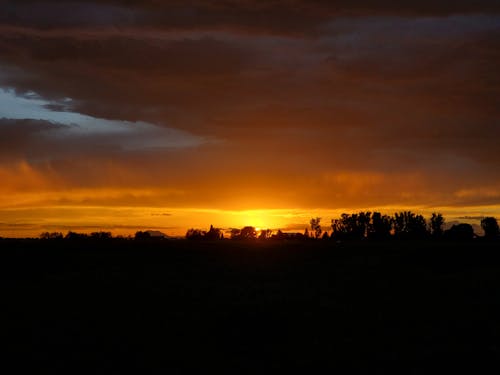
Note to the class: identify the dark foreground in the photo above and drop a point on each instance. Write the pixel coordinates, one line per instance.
(180, 307)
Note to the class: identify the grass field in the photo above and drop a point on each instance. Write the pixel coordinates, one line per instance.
(235, 307)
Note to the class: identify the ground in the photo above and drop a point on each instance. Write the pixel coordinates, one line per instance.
(231, 307)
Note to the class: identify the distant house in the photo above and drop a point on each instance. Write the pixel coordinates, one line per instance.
(288, 236)
(156, 234)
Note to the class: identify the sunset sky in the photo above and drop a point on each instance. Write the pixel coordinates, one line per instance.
(132, 115)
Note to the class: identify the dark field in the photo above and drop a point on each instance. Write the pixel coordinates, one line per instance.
(229, 307)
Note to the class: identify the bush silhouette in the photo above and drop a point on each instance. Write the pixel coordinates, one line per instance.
(460, 232)
(142, 235)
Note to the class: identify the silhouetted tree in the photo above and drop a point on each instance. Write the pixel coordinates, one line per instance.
(339, 228)
(306, 233)
(361, 221)
(248, 233)
(214, 234)
(380, 226)
(325, 236)
(245, 233)
(351, 227)
(490, 227)
(410, 225)
(235, 233)
(316, 226)
(460, 232)
(75, 236)
(101, 235)
(265, 234)
(437, 224)
(51, 236)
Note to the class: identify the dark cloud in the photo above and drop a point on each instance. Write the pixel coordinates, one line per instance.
(37, 141)
(41, 140)
(66, 14)
(205, 56)
(20, 139)
(286, 16)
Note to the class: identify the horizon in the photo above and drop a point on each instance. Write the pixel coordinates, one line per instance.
(35, 230)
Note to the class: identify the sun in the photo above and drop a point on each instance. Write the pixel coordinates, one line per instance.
(259, 219)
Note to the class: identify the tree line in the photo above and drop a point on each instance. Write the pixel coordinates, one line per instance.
(361, 226)
(364, 225)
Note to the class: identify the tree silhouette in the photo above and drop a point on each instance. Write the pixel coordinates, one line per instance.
(265, 234)
(214, 234)
(101, 235)
(361, 222)
(235, 233)
(437, 224)
(194, 234)
(76, 236)
(316, 226)
(245, 233)
(409, 225)
(351, 226)
(380, 226)
(51, 236)
(490, 227)
(248, 233)
(339, 228)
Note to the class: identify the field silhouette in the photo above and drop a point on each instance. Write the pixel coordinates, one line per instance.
(180, 306)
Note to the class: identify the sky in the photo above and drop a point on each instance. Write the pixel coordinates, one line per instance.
(129, 115)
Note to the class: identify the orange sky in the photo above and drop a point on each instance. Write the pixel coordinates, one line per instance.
(32, 203)
(168, 115)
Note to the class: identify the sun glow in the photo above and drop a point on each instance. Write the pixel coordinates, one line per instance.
(26, 212)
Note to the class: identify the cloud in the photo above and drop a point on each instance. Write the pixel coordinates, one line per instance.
(41, 128)
(317, 104)
(296, 17)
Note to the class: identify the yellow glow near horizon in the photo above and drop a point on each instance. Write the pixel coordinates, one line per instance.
(123, 220)
(27, 213)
